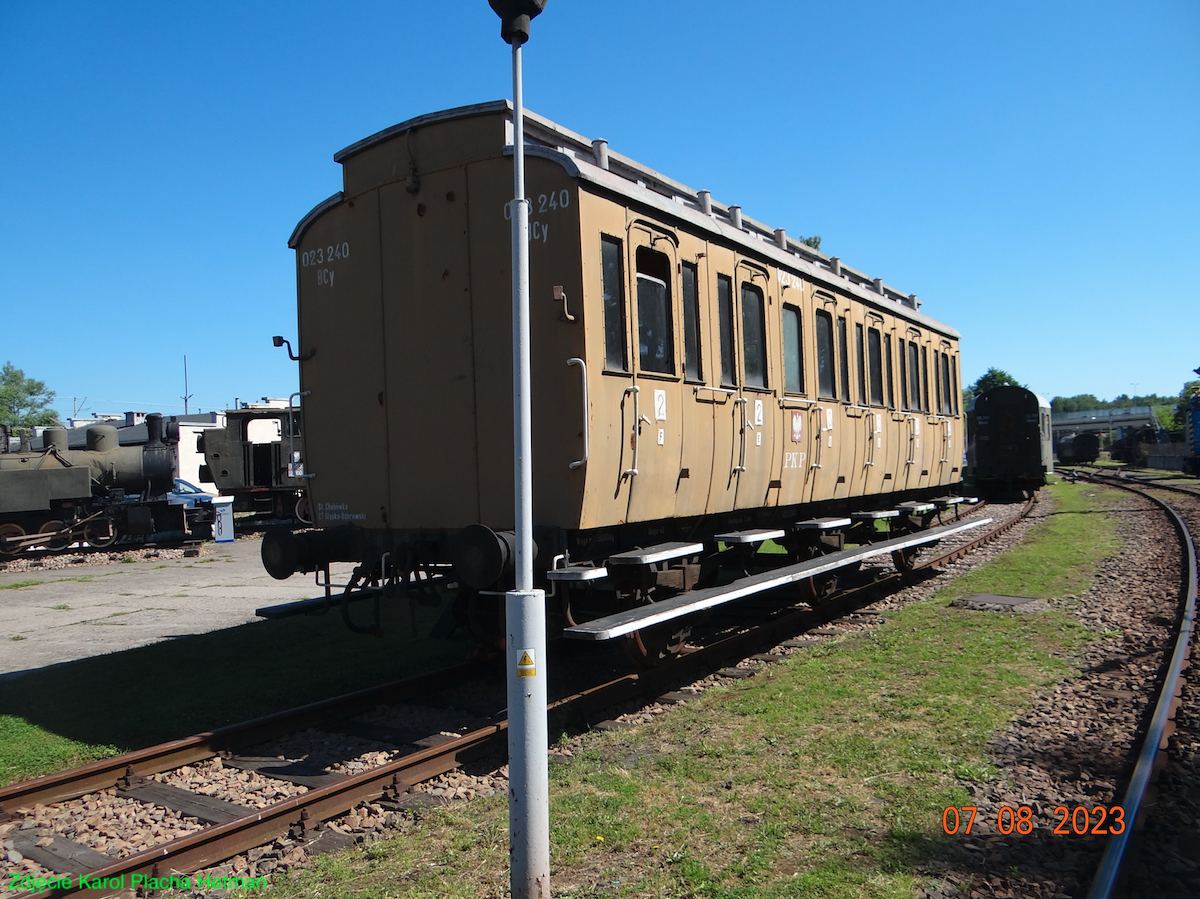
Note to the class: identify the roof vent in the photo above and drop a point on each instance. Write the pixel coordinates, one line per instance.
(705, 199)
(836, 264)
(912, 301)
(781, 238)
(879, 286)
(735, 217)
(600, 151)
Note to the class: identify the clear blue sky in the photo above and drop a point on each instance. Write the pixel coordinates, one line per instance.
(1030, 170)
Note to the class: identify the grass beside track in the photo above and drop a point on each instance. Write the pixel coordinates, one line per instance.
(65, 715)
(824, 776)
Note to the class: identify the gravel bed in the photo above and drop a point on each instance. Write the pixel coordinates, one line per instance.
(1165, 859)
(72, 558)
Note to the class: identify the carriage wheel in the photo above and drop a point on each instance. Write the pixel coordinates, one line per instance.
(57, 544)
(100, 534)
(905, 559)
(658, 643)
(819, 588)
(12, 531)
(485, 618)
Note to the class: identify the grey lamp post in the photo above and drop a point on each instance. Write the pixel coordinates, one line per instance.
(524, 607)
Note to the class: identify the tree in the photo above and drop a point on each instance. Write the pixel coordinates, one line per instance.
(993, 377)
(24, 401)
(814, 241)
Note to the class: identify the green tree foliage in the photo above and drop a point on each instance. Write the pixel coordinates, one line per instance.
(24, 401)
(1087, 402)
(993, 377)
(814, 241)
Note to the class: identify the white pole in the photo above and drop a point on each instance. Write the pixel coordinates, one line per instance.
(525, 607)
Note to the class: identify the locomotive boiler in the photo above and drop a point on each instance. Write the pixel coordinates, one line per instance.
(696, 374)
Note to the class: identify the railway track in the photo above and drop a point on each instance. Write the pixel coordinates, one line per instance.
(301, 820)
(1166, 826)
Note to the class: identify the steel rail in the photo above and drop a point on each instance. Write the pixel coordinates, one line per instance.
(1114, 853)
(220, 842)
(102, 774)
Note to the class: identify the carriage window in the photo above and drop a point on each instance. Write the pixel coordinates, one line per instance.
(843, 359)
(793, 356)
(947, 403)
(725, 314)
(691, 325)
(925, 379)
(826, 383)
(754, 338)
(887, 364)
(954, 381)
(914, 377)
(614, 304)
(875, 366)
(862, 365)
(904, 404)
(656, 341)
(937, 383)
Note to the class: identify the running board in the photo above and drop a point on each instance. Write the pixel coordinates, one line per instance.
(697, 600)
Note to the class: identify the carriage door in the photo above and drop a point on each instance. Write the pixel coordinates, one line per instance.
(825, 414)
(912, 405)
(755, 418)
(948, 453)
(653, 411)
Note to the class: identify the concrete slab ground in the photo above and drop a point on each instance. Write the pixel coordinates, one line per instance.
(71, 613)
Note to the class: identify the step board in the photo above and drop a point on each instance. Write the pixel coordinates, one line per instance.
(626, 622)
(576, 573)
(823, 524)
(915, 507)
(661, 552)
(943, 502)
(872, 516)
(757, 535)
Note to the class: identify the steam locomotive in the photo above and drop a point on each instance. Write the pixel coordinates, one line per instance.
(56, 496)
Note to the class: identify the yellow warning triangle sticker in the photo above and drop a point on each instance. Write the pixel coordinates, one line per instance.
(525, 665)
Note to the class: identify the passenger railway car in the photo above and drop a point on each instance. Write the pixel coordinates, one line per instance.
(694, 371)
(1009, 446)
(1079, 449)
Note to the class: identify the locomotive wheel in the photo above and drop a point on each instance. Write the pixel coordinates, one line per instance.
(649, 646)
(303, 510)
(100, 534)
(58, 544)
(13, 531)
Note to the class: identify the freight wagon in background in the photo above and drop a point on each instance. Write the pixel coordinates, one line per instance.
(695, 373)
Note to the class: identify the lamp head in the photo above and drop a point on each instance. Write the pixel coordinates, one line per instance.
(277, 340)
(514, 16)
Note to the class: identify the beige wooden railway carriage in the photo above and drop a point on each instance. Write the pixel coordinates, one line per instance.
(695, 373)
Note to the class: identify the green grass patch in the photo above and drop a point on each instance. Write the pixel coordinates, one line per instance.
(825, 776)
(17, 585)
(198, 682)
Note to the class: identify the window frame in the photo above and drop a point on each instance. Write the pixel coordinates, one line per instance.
(798, 314)
(618, 246)
(760, 298)
(691, 330)
(726, 331)
(820, 315)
